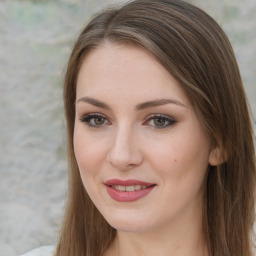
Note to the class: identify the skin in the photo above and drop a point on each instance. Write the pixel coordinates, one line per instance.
(126, 142)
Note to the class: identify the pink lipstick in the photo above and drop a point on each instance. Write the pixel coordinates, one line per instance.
(128, 190)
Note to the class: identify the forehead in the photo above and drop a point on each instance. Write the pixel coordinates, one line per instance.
(126, 72)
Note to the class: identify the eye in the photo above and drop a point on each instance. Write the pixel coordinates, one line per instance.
(94, 120)
(160, 121)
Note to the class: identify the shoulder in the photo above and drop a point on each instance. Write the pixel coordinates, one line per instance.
(41, 251)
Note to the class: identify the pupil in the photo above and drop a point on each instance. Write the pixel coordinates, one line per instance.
(159, 121)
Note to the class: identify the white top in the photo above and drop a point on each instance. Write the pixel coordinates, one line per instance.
(49, 251)
(41, 251)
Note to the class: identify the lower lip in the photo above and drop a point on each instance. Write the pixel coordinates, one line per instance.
(128, 196)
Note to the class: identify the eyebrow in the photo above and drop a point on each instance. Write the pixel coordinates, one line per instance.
(141, 106)
(94, 102)
(157, 103)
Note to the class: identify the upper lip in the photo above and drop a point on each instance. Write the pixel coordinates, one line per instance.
(127, 182)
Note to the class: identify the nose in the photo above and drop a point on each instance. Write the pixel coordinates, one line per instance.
(124, 153)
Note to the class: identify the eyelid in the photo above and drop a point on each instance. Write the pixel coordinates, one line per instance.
(170, 119)
(91, 114)
(86, 118)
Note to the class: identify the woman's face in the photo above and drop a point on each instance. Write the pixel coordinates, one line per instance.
(139, 145)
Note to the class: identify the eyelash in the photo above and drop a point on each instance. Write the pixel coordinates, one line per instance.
(90, 119)
(168, 121)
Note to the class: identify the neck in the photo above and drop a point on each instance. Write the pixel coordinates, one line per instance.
(182, 238)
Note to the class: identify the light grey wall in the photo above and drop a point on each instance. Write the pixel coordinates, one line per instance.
(35, 40)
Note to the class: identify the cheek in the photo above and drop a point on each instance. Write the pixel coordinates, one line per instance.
(84, 151)
(86, 159)
(182, 166)
(180, 156)
(90, 153)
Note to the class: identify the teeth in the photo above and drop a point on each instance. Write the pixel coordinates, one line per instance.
(137, 187)
(121, 188)
(129, 188)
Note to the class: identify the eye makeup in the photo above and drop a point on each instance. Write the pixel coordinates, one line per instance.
(94, 120)
(157, 121)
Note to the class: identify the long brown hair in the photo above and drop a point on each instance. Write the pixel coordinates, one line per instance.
(196, 51)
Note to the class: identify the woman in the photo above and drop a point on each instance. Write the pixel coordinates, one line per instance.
(159, 137)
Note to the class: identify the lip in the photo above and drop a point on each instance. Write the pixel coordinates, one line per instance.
(128, 196)
(127, 183)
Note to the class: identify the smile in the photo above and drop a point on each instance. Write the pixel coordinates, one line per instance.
(128, 190)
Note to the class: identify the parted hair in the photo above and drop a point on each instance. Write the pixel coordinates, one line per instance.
(196, 51)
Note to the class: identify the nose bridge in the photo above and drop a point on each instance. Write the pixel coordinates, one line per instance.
(124, 152)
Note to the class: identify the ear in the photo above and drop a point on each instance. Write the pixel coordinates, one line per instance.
(216, 157)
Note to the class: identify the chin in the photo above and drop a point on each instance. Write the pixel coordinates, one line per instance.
(129, 224)
(131, 228)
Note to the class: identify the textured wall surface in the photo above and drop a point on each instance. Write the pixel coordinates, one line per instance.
(35, 41)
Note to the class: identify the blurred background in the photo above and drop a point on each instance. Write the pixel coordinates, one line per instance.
(36, 37)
